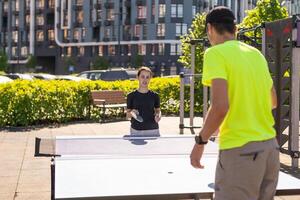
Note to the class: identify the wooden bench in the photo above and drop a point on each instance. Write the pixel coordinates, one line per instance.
(108, 99)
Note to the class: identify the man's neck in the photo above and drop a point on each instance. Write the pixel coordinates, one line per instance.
(224, 38)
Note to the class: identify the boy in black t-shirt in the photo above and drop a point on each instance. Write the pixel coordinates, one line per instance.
(146, 104)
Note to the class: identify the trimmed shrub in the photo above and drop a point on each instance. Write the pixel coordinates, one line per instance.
(25, 103)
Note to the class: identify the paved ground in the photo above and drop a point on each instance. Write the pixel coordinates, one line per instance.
(22, 176)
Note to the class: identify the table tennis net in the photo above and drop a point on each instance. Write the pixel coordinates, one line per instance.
(110, 146)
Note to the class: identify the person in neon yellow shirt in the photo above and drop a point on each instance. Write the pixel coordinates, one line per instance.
(242, 100)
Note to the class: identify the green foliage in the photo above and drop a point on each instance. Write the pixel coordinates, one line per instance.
(32, 62)
(25, 103)
(138, 61)
(3, 61)
(265, 11)
(99, 63)
(195, 32)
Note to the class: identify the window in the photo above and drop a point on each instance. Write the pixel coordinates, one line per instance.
(24, 51)
(66, 34)
(5, 6)
(141, 12)
(76, 34)
(15, 36)
(194, 11)
(81, 51)
(79, 16)
(40, 4)
(181, 29)
(161, 49)
(142, 49)
(27, 20)
(145, 30)
(40, 20)
(160, 30)
(79, 2)
(100, 53)
(27, 4)
(175, 49)
(177, 10)
(98, 15)
(137, 30)
(51, 3)
(110, 14)
(69, 51)
(14, 51)
(107, 32)
(17, 21)
(129, 50)
(51, 35)
(111, 50)
(17, 6)
(153, 9)
(162, 10)
(40, 36)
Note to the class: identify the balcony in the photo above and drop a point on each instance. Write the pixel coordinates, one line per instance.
(77, 24)
(96, 23)
(128, 3)
(127, 21)
(140, 20)
(98, 6)
(109, 5)
(108, 23)
(141, 2)
(105, 39)
(135, 38)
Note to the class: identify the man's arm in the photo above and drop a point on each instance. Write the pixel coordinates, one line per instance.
(218, 108)
(274, 98)
(216, 114)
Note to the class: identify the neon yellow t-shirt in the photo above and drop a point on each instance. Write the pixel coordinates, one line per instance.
(249, 117)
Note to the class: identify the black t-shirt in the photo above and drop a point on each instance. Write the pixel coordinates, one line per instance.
(145, 104)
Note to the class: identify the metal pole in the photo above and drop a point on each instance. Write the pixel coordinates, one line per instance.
(294, 137)
(263, 41)
(181, 104)
(192, 84)
(119, 33)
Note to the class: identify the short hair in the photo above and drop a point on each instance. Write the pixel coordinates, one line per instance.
(144, 69)
(222, 19)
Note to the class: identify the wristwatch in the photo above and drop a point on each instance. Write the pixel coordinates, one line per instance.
(199, 140)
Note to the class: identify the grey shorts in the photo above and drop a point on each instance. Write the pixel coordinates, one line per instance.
(249, 172)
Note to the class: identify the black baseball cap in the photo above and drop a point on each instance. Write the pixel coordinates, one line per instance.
(220, 15)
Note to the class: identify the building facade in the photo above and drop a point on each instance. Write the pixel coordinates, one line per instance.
(126, 33)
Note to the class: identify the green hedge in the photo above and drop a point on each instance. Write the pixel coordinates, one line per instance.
(25, 103)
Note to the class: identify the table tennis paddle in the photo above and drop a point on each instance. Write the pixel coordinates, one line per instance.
(136, 117)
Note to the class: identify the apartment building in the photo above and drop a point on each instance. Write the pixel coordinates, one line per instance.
(121, 31)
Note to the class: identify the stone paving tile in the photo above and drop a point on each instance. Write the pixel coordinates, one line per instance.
(7, 196)
(33, 174)
(33, 196)
(8, 185)
(36, 164)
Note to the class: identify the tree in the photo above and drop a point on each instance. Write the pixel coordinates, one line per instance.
(195, 32)
(3, 61)
(32, 62)
(69, 63)
(265, 11)
(99, 63)
(138, 61)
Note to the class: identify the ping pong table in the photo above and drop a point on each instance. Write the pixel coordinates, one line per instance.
(119, 168)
